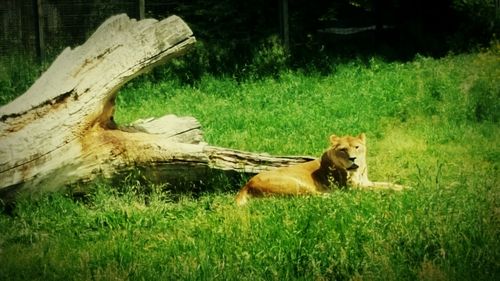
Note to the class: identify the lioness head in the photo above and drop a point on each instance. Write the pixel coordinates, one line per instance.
(346, 153)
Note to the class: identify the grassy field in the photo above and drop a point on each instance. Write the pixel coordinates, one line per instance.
(431, 124)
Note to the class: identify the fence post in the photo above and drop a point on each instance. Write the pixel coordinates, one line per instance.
(142, 9)
(284, 24)
(39, 35)
(497, 10)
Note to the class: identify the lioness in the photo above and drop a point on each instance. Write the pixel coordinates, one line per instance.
(343, 164)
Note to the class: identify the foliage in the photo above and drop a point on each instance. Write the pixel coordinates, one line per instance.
(241, 38)
(425, 27)
(481, 12)
(431, 124)
(269, 59)
(479, 20)
(17, 74)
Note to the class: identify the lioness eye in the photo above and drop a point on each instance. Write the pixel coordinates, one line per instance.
(357, 146)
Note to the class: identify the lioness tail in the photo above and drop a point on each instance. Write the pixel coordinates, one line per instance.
(242, 197)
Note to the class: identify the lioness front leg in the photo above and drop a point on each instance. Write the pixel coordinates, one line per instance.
(379, 186)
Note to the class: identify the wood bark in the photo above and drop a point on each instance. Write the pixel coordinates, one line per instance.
(61, 131)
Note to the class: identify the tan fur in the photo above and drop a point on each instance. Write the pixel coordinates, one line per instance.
(343, 164)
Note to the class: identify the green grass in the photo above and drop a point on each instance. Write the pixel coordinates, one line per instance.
(431, 124)
(17, 74)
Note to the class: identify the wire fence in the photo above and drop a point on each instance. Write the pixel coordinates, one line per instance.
(42, 27)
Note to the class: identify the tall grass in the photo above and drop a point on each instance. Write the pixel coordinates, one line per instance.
(431, 124)
(17, 74)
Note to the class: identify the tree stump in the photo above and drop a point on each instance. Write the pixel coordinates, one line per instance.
(61, 130)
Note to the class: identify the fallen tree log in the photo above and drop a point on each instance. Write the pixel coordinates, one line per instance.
(61, 131)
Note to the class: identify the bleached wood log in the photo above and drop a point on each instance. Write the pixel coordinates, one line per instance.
(61, 131)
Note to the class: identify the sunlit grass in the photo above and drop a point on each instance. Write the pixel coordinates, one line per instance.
(432, 124)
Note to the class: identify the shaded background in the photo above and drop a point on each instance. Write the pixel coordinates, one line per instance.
(239, 36)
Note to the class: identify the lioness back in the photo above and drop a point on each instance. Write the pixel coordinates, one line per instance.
(293, 180)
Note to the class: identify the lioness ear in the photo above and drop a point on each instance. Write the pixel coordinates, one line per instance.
(362, 137)
(333, 139)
